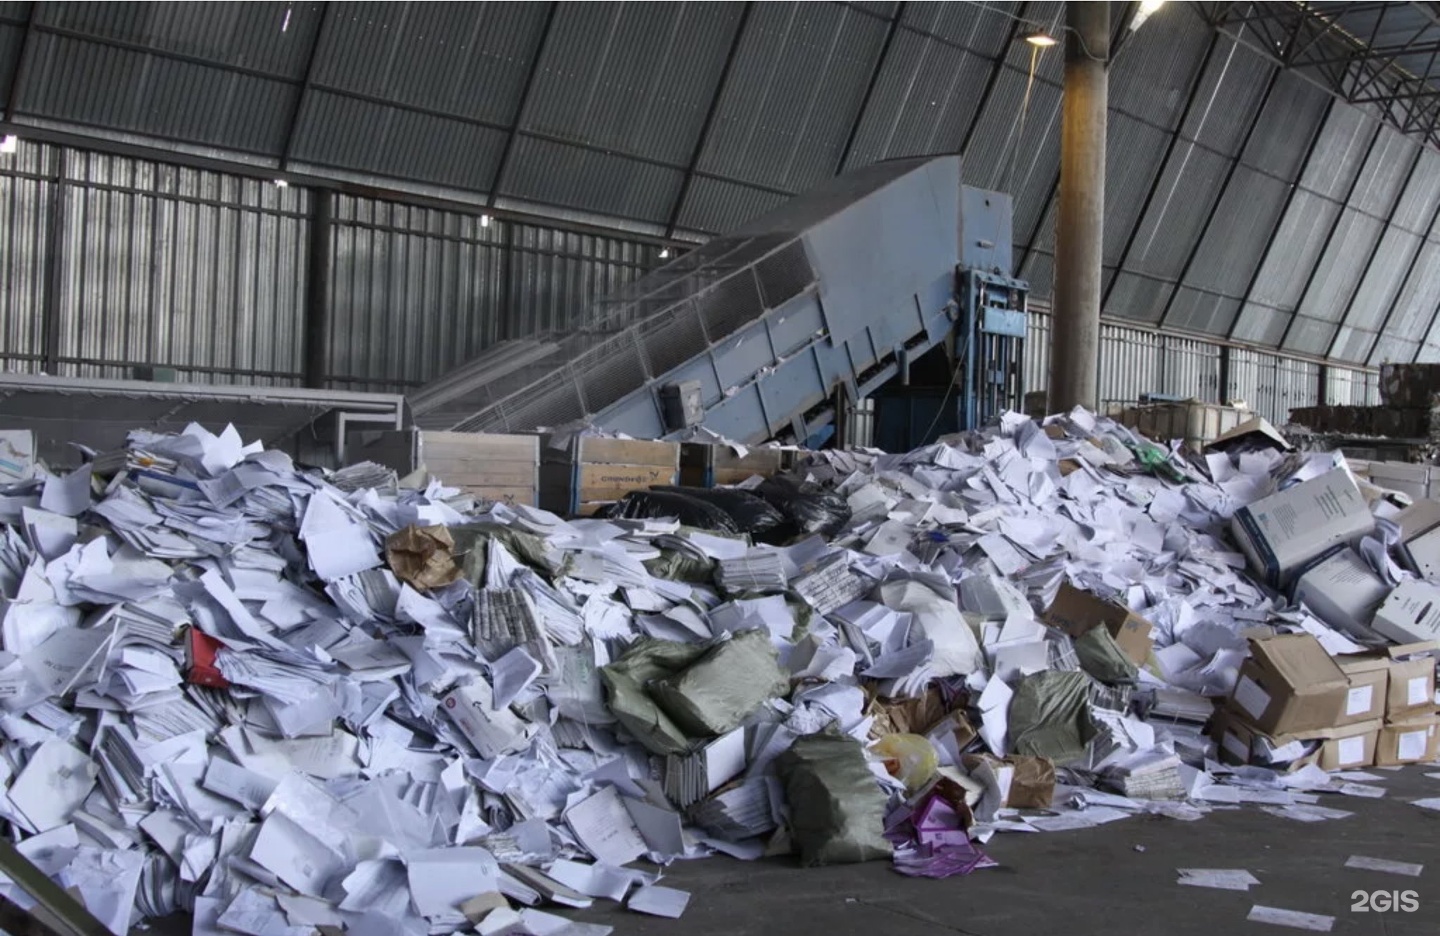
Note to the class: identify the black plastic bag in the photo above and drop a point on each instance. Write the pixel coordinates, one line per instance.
(809, 509)
(751, 513)
(656, 505)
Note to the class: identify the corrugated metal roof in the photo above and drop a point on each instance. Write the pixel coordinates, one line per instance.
(1294, 250)
(1291, 116)
(355, 134)
(1384, 173)
(797, 83)
(1229, 93)
(1189, 185)
(1200, 311)
(1422, 196)
(24, 244)
(1235, 242)
(1133, 153)
(924, 101)
(553, 173)
(1260, 324)
(980, 28)
(466, 59)
(1382, 282)
(1339, 269)
(1309, 336)
(1137, 297)
(105, 86)
(270, 37)
(715, 206)
(1151, 77)
(1419, 296)
(632, 78)
(11, 39)
(1339, 152)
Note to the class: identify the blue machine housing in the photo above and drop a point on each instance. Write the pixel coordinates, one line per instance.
(821, 301)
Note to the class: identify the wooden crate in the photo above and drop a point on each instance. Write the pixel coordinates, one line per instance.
(706, 465)
(584, 473)
(1197, 423)
(491, 467)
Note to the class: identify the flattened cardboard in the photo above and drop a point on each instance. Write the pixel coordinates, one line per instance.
(1282, 532)
(1342, 591)
(1075, 611)
(1257, 428)
(1411, 614)
(1290, 684)
(1408, 741)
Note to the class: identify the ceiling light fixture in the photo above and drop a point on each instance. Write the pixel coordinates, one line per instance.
(1146, 9)
(484, 220)
(664, 253)
(9, 144)
(1040, 40)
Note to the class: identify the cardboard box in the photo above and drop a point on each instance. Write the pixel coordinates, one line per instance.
(1419, 546)
(1369, 677)
(1075, 612)
(1412, 679)
(1411, 614)
(1409, 741)
(1239, 742)
(1413, 480)
(1290, 685)
(1342, 591)
(1282, 532)
(1350, 746)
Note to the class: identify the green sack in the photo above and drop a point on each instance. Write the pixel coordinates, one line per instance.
(1050, 716)
(681, 567)
(837, 809)
(1102, 657)
(724, 687)
(625, 680)
(472, 540)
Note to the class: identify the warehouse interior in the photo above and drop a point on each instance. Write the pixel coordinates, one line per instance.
(366, 363)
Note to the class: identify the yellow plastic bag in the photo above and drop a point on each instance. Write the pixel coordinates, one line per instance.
(910, 758)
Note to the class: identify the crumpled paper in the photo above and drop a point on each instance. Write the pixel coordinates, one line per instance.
(422, 557)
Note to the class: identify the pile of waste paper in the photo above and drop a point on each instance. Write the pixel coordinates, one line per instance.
(280, 699)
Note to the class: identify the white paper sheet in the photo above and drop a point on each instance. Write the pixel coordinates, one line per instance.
(1384, 864)
(1291, 918)
(604, 827)
(1218, 878)
(659, 901)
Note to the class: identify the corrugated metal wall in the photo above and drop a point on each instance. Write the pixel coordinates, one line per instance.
(112, 263)
(1242, 201)
(1134, 362)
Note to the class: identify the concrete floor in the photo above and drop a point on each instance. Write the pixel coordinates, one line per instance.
(1090, 881)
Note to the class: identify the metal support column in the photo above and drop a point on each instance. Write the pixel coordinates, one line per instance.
(1080, 230)
(318, 288)
(51, 307)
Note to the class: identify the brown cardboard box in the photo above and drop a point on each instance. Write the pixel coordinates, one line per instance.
(1349, 746)
(1290, 685)
(1240, 742)
(1409, 741)
(1412, 679)
(1075, 612)
(1369, 678)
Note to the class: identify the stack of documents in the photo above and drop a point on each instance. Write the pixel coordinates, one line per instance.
(688, 778)
(755, 572)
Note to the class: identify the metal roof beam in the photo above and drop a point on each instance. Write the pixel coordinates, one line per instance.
(1224, 185)
(513, 133)
(22, 63)
(1329, 238)
(890, 29)
(303, 96)
(1310, 148)
(1196, 80)
(704, 136)
(992, 80)
(1369, 261)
